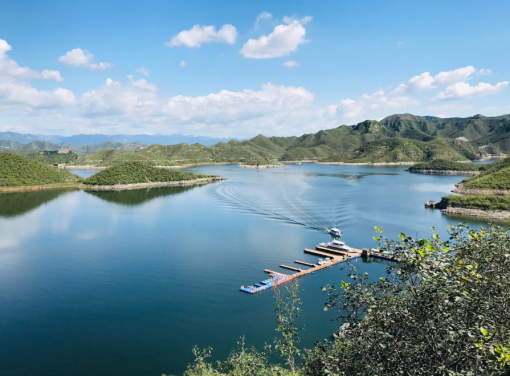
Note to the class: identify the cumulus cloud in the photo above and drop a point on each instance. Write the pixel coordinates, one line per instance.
(262, 16)
(426, 81)
(377, 102)
(142, 84)
(182, 63)
(485, 72)
(281, 42)
(143, 70)
(51, 75)
(462, 90)
(291, 64)
(82, 58)
(203, 34)
(16, 91)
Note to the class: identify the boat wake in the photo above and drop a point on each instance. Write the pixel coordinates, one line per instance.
(303, 205)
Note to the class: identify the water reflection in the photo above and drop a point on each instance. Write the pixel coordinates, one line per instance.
(137, 196)
(18, 203)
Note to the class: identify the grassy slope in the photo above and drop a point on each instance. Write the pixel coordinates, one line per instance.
(495, 176)
(479, 202)
(443, 165)
(17, 171)
(138, 172)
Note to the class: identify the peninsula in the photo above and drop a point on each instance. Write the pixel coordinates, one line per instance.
(486, 194)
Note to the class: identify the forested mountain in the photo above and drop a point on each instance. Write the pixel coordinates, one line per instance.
(413, 138)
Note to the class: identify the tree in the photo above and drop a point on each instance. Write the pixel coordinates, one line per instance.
(444, 309)
(287, 311)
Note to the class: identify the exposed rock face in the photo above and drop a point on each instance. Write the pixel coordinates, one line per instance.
(442, 172)
(489, 192)
(494, 214)
(432, 204)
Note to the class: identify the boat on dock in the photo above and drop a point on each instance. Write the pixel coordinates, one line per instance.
(335, 244)
(335, 232)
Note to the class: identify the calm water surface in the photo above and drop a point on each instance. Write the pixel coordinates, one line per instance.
(125, 283)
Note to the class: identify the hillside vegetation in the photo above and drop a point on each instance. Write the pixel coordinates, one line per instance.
(495, 176)
(444, 165)
(17, 171)
(397, 138)
(138, 172)
(483, 202)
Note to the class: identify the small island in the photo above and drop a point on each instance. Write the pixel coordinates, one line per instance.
(136, 175)
(485, 195)
(19, 173)
(444, 167)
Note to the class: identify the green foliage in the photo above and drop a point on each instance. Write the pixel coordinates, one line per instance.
(54, 158)
(241, 362)
(287, 311)
(426, 316)
(483, 202)
(495, 175)
(443, 165)
(17, 171)
(138, 172)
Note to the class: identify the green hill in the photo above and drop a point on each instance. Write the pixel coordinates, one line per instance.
(396, 138)
(16, 171)
(138, 172)
(443, 165)
(494, 176)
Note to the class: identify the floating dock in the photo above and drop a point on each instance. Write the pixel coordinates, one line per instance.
(277, 278)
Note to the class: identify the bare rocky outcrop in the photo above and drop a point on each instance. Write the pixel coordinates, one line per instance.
(493, 214)
(123, 187)
(433, 204)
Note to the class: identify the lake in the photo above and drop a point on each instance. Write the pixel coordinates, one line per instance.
(125, 283)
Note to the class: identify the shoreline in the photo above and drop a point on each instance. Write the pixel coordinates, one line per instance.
(479, 213)
(275, 165)
(459, 189)
(442, 172)
(370, 163)
(127, 187)
(28, 188)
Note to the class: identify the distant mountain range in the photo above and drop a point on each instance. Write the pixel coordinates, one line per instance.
(83, 139)
(396, 138)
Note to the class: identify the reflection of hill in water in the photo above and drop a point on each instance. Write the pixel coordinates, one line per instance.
(18, 203)
(137, 196)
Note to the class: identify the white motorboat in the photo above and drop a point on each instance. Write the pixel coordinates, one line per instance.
(335, 232)
(335, 244)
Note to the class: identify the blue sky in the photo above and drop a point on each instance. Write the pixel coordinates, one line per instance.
(129, 67)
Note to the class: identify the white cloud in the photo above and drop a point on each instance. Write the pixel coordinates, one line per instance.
(485, 72)
(281, 42)
(291, 64)
(377, 102)
(426, 81)
(182, 63)
(453, 108)
(82, 58)
(142, 84)
(462, 90)
(143, 70)
(203, 34)
(50, 75)
(16, 93)
(262, 16)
